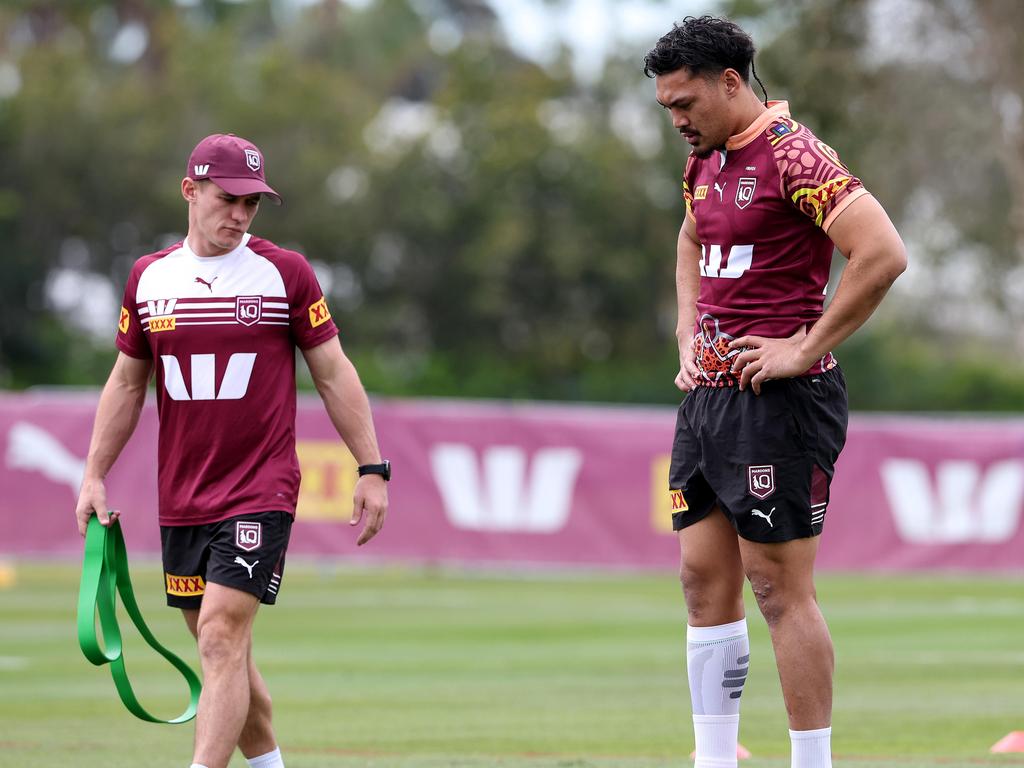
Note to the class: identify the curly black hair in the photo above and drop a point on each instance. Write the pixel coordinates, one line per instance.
(703, 45)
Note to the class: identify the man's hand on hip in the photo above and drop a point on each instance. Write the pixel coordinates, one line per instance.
(765, 359)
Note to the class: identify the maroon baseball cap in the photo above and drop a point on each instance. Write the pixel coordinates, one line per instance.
(232, 163)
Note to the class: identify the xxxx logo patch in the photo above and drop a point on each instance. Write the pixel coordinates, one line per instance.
(678, 501)
(157, 324)
(184, 586)
(318, 313)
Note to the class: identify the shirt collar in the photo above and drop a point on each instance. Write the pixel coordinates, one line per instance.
(216, 259)
(776, 109)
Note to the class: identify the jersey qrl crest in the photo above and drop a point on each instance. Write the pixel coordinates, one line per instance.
(248, 309)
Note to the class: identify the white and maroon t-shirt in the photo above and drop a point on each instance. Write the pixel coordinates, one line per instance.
(222, 331)
(762, 209)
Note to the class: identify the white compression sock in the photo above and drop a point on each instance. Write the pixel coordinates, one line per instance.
(269, 760)
(717, 659)
(196, 765)
(811, 749)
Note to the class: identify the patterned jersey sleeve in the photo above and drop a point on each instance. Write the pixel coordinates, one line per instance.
(311, 322)
(130, 337)
(688, 186)
(813, 177)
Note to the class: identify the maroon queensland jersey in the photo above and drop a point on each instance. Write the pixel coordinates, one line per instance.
(762, 209)
(222, 331)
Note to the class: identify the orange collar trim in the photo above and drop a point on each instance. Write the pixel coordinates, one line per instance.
(776, 109)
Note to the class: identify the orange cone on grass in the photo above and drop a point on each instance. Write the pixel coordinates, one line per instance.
(1011, 742)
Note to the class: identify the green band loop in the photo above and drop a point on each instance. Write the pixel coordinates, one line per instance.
(105, 575)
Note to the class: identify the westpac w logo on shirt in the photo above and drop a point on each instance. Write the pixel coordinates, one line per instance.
(736, 260)
(233, 385)
(160, 307)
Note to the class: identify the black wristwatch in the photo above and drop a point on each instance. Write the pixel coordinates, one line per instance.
(383, 469)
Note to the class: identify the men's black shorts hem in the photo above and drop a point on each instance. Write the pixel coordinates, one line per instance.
(245, 552)
(765, 460)
(681, 520)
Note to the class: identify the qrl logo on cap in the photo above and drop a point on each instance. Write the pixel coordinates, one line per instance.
(248, 309)
(252, 159)
(248, 536)
(761, 480)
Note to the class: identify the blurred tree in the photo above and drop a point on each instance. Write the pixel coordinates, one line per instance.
(923, 100)
(483, 226)
(480, 225)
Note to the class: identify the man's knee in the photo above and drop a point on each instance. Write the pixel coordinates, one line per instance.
(697, 583)
(768, 599)
(710, 592)
(222, 642)
(777, 596)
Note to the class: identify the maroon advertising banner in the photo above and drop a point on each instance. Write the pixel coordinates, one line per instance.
(526, 484)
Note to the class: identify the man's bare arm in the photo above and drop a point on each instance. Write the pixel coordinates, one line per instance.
(348, 407)
(864, 234)
(116, 417)
(687, 289)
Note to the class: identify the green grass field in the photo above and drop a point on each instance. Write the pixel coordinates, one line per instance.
(429, 669)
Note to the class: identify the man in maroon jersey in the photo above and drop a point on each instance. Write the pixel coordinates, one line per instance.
(765, 419)
(217, 318)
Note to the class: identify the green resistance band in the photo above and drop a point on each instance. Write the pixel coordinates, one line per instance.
(104, 573)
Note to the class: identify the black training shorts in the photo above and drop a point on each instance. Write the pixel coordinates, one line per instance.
(766, 460)
(244, 552)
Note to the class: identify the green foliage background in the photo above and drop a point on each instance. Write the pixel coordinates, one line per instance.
(485, 226)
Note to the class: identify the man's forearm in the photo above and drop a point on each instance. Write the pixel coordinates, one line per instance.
(864, 283)
(349, 410)
(687, 284)
(865, 235)
(116, 417)
(686, 310)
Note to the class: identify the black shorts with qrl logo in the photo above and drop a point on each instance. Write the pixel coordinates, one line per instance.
(245, 552)
(766, 460)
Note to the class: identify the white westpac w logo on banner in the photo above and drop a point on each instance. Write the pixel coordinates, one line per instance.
(497, 494)
(233, 386)
(963, 504)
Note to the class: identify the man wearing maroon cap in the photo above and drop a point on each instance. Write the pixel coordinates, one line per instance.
(232, 163)
(764, 420)
(217, 318)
